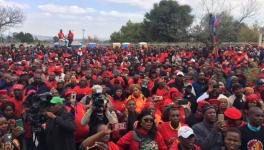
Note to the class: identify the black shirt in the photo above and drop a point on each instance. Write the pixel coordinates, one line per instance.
(252, 140)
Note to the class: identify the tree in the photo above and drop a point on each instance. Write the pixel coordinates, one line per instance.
(168, 21)
(249, 34)
(23, 37)
(228, 29)
(131, 32)
(9, 17)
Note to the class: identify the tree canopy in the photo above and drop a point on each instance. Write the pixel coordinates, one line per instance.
(23, 37)
(166, 22)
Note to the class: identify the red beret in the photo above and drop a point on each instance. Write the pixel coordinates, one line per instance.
(252, 97)
(201, 103)
(3, 92)
(233, 113)
(214, 101)
(18, 86)
(68, 91)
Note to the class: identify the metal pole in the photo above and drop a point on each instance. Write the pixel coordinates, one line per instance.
(83, 31)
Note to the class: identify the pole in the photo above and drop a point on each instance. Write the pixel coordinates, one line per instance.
(83, 31)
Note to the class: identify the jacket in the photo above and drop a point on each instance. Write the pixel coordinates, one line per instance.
(207, 137)
(60, 131)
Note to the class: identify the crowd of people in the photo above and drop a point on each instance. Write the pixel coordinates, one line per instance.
(138, 98)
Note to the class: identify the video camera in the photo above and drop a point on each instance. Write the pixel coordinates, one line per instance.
(99, 101)
(36, 104)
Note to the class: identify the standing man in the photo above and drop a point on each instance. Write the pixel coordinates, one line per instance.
(70, 38)
(253, 131)
(61, 35)
(60, 127)
(209, 132)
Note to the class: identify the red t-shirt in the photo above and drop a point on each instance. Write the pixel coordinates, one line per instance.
(169, 134)
(119, 105)
(60, 35)
(51, 84)
(18, 105)
(81, 131)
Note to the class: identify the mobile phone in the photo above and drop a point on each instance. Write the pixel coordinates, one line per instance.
(221, 117)
(73, 97)
(19, 123)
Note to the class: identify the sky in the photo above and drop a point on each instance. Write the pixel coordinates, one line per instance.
(102, 17)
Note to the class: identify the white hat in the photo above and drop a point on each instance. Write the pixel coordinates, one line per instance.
(185, 132)
(180, 73)
(98, 89)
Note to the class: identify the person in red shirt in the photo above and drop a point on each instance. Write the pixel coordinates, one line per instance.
(169, 130)
(233, 117)
(51, 82)
(186, 140)
(61, 35)
(118, 101)
(83, 87)
(77, 109)
(145, 135)
(70, 38)
(18, 98)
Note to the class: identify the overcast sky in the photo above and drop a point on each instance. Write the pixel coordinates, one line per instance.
(102, 17)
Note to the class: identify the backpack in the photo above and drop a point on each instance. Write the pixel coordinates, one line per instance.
(145, 142)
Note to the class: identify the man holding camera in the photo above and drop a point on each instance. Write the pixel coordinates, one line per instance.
(99, 108)
(60, 127)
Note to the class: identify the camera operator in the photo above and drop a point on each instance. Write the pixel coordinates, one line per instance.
(60, 127)
(100, 110)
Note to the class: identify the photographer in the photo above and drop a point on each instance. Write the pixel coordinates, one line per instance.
(100, 111)
(60, 127)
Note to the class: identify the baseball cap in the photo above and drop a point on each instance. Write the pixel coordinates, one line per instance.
(185, 132)
(56, 100)
(180, 73)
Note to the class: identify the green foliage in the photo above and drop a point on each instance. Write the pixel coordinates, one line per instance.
(249, 34)
(131, 32)
(23, 37)
(168, 22)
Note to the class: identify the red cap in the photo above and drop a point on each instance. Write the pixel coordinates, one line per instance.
(68, 91)
(18, 86)
(3, 92)
(201, 103)
(214, 101)
(233, 113)
(252, 97)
